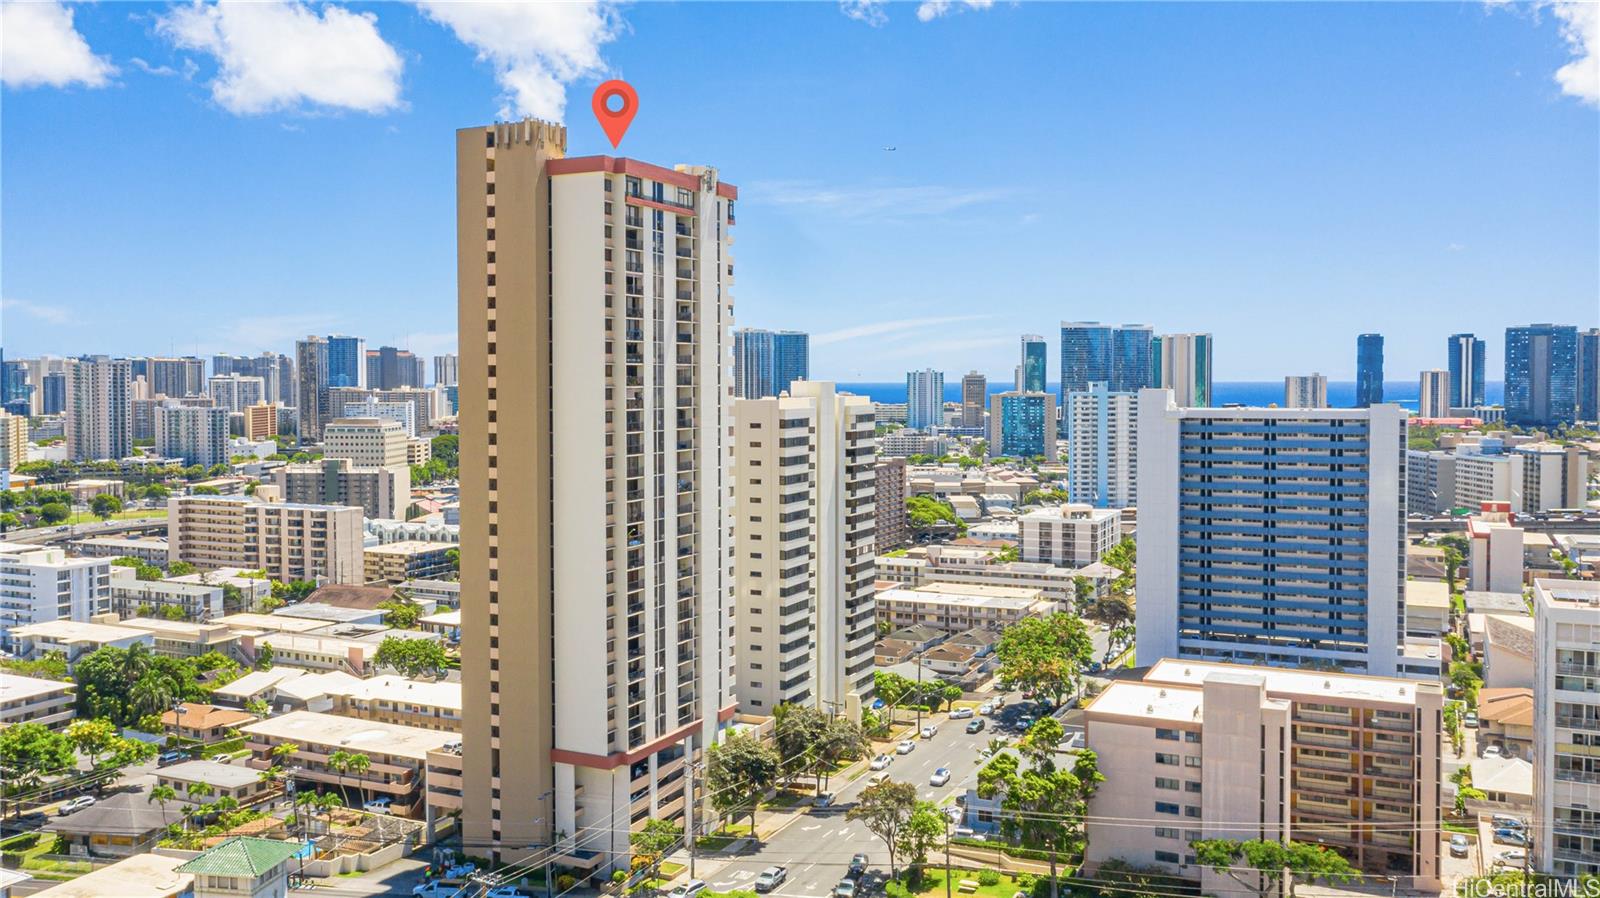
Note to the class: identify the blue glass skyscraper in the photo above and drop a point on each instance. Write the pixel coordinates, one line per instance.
(1369, 370)
(347, 361)
(1118, 356)
(1031, 367)
(1022, 425)
(924, 399)
(1466, 354)
(1589, 375)
(791, 358)
(766, 362)
(1541, 374)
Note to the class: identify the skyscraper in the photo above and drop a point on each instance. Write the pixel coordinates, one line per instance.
(1102, 447)
(198, 435)
(1466, 354)
(1305, 391)
(1272, 536)
(1369, 370)
(807, 540)
(311, 376)
(1434, 393)
(1118, 356)
(974, 396)
(1023, 425)
(444, 371)
(177, 378)
(236, 392)
(99, 425)
(1182, 363)
(766, 362)
(595, 668)
(1031, 368)
(389, 368)
(924, 399)
(347, 361)
(1589, 375)
(1541, 374)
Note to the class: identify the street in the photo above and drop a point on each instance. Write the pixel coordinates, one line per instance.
(817, 847)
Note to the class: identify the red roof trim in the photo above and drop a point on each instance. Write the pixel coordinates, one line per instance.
(618, 165)
(613, 761)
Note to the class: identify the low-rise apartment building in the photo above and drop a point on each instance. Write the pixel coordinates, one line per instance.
(183, 639)
(286, 540)
(408, 560)
(397, 753)
(132, 597)
(976, 566)
(953, 607)
(1068, 535)
(1197, 748)
(32, 700)
(428, 704)
(145, 548)
(203, 723)
(39, 584)
(73, 639)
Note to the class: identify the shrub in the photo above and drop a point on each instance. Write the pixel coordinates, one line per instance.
(894, 889)
(988, 878)
(566, 881)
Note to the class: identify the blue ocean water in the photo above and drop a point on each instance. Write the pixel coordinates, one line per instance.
(1257, 393)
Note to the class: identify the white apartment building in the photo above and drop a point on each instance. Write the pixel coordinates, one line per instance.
(924, 399)
(803, 540)
(39, 584)
(1182, 363)
(953, 607)
(903, 444)
(1102, 447)
(1197, 749)
(596, 498)
(1071, 535)
(1305, 391)
(1272, 536)
(99, 424)
(1532, 477)
(1553, 476)
(445, 368)
(1566, 727)
(370, 442)
(290, 541)
(1435, 394)
(237, 392)
(1494, 563)
(978, 567)
(32, 700)
(378, 492)
(198, 435)
(132, 597)
(402, 412)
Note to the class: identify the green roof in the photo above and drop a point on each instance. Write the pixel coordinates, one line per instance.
(241, 856)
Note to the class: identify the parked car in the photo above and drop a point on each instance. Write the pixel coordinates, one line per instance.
(1508, 836)
(877, 779)
(929, 731)
(986, 709)
(940, 777)
(858, 866)
(1459, 846)
(771, 878)
(1470, 720)
(1504, 821)
(961, 714)
(1493, 751)
(377, 806)
(1511, 858)
(881, 762)
(75, 804)
(905, 747)
(845, 889)
(976, 725)
(171, 757)
(434, 890)
(504, 892)
(692, 887)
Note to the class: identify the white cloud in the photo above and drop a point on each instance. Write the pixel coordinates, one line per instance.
(282, 55)
(929, 10)
(431, 344)
(536, 48)
(164, 71)
(885, 329)
(42, 48)
(1580, 25)
(49, 314)
(871, 202)
(869, 11)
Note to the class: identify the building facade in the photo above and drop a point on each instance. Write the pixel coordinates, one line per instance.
(1023, 425)
(1031, 367)
(289, 541)
(1182, 363)
(1272, 536)
(445, 371)
(889, 504)
(13, 440)
(924, 399)
(236, 392)
(1434, 394)
(1305, 391)
(1068, 535)
(311, 377)
(595, 504)
(1369, 370)
(39, 584)
(378, 492)
(1102, 447)
(198, 435)
(1566, 727)
(1465, 355)
(1589, 375)
(1541, 374)
(99, 424)
(974, 396)
(367, 442)
(1119, 356)
(347, 361)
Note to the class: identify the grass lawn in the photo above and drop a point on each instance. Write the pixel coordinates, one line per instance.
(933, 883)
(669, 869)
(785, 799)
(24, 852)
(724, 837)
(132, 514)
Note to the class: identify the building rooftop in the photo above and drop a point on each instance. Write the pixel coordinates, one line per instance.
(14, 688)
(205, 717)
(451, 618)
(1479, 602)
(256, 682)
(311, 728)
(1568, 593)
(368, 597)
(1512, 633)
(270, 623)
(1301, 684)
(1506, 705)
(409, 547)
(398, 689)
(241, 856)
(1176, 704)
(213, 773)
(327, 614)
(139, 876)
(122, 814)
(313, 644)
(1433, 594)
(1071, 511)
(72, 631)
(179, 629)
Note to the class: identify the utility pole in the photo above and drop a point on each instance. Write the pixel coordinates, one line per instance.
(946, 854)
(693, 818)
(919, 694)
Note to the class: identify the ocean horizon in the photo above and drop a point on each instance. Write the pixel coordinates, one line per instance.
(1341, 394)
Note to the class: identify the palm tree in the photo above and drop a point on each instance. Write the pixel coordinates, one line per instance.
(150, 695)
(359, 764)
(339, 762)
(196, 791)
(161, 795)
(282, 751)
(136, 662)
(326, 802)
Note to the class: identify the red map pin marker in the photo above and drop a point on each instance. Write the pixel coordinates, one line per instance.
(615, 123)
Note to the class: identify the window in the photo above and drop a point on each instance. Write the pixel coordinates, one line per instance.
(1166, 807)
(1166, 832)
(1191, 737)
(1171, 735)
(1191, 761)
(1165, 782)
(1191, 786)
(1167, 857)
(1190, 810)
(1169, 760)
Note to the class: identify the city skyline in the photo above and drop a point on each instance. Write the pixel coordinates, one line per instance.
(303, 259)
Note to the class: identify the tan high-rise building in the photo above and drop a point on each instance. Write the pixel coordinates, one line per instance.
(287, 540)
(596, 550)
(99, 424)
(1434, 394)
(261, 421)
(13, 440)
(369, 442)
(383, 493)
(889, 503)
(804, 530)
(974, 396)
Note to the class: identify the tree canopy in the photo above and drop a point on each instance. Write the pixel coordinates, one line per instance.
(739, 770)
(1264, 862)
(1044, 655)
(411, 657)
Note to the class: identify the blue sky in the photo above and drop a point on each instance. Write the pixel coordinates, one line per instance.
(1284, 176)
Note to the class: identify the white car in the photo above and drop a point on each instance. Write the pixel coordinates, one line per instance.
(905, 747)
(692, 887)
(377, 806)
(881, 762)
(929, 731)
(76, 804)
(986, 709)
(877, 779)
(961, 714)
(771, 878)
(940, 777)
(1493, 751)
(1514, 858)
(503, 892)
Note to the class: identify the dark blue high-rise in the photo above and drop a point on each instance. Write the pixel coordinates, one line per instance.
(1541, 374)
(1466, 356)
(1369, 370)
